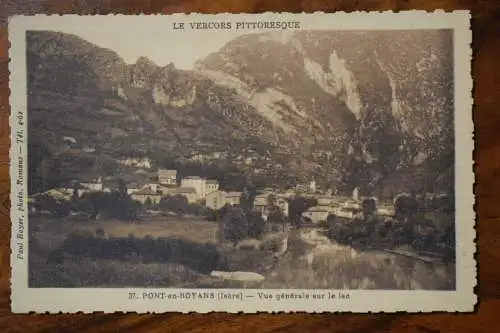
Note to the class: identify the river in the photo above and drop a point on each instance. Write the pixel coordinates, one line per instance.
(313, 261)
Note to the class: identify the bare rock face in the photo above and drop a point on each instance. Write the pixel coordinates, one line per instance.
(351, 108)
(397, 87)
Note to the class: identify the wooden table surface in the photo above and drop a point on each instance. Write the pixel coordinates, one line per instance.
(486, 72)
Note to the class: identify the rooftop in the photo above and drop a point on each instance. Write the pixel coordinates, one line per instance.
(233, 194)
(146, 191)
(183, 190)
(167, 171)
(318, 209)
(192, 177)
(136, 185)
(167, 186)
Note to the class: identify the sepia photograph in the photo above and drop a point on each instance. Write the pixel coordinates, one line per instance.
(275, 158)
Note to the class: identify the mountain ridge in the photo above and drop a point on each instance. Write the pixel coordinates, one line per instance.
(333, 100)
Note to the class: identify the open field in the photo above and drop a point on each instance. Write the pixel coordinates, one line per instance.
(154, 252)
(192, 229)
(181, 252)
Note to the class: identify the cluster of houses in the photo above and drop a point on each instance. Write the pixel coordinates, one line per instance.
(208, 192)
(193, 188)
(144, 163)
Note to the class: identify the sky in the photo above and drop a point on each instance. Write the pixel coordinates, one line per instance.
(155, 40)
(153, 35)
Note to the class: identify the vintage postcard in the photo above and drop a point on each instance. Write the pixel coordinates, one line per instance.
(242, 163)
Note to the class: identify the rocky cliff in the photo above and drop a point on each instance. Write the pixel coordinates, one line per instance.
(352, 108)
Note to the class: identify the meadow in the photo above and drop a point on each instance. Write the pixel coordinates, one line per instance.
(181, 253)
(50, 231)
(152, 252)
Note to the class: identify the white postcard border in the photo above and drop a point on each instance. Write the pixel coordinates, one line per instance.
(54, 300)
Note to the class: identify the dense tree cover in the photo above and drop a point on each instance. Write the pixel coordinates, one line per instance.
(201, 257)
(175, 203)
(180, 205)
(369, 206)
(57, 207)
(405, 206)
(43, 167)
(297, 206)
(148, 204)
(256, 225)
(235, 225)
(274, 213)
(112, 205)
(421, 229)
(248, 198)
(276, 216)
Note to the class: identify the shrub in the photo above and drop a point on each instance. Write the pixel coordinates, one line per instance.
(235, 225)
(405, 206)
(201, 257)
(369, 206)
(99, 233)
(256, 225)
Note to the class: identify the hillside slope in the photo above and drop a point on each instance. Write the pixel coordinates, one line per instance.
(348, 108)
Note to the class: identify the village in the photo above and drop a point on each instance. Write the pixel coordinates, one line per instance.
(208, 192)
(228, 239)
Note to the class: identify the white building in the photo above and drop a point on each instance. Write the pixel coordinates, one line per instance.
(60, 193)
(199, 184)
(261, 204)
(211, 186)
(218, 199)
(312, 186)
(348, 209)
(325, 200)
(167, 177)
(215, 200)
(188, 192)
(95, 186)
(355, 194)
(143, 195)
(233, 198)
(261, 200)
(131, 190)
(302, 187)
(153, 187)
(317, 214)
(385, 211)
(137, 162)
(283, 205)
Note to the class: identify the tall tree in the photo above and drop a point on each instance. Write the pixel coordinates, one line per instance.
(44, 168)
(248, 198)
(271, 201)
(256, 225)
(75, 195)
(297, 206)
(148, 204)
(235, 225)
(276, 216)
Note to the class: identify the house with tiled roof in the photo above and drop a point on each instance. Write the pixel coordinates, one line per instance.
(144, 194)
(233, 198)
(218, 199)
(188, 192)
(317, 214)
